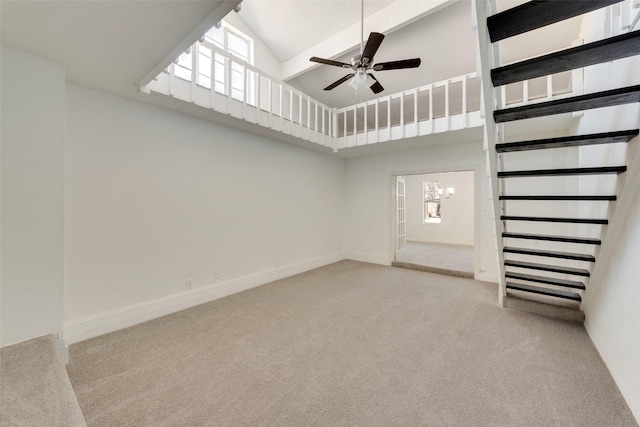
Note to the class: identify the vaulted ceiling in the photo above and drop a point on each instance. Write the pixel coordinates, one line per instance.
(113, 45)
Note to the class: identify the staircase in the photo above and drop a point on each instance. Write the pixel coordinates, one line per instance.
(535, 274)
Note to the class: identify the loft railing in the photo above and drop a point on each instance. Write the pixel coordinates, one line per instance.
(219, 81)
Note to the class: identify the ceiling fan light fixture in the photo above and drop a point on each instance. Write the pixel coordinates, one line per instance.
(361, 78)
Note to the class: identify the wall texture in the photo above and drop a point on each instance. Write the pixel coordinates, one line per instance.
(457, 223)
(612, 301)
(33, 96)
(155, 199)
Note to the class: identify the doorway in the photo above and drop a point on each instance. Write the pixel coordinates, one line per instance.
(435, 222)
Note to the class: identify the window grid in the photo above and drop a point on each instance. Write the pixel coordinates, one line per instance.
(231, 76)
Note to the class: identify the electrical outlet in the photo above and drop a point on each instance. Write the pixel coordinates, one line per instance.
(216, 274)
(188, 283)
(277, 263)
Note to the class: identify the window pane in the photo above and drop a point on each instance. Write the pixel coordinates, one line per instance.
(204, 81)
(237, 94)
(432, 199)
(184, 60)
(182, 72)
(238, 46)
(220, 74)
(204, 65)
(216, 36)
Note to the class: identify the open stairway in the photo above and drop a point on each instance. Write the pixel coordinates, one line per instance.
(548, 248)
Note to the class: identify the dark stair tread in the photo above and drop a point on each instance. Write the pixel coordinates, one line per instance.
(547, 267)
(609, 49)
(544, 291)
(560, 198)
(537, 14)
(607, 98)
(527, 236)
(551, 254)
(603, 221)
(569, 141)
(565, 172)
(546, 280)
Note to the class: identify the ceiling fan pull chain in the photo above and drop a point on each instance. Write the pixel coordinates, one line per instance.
(361, 29)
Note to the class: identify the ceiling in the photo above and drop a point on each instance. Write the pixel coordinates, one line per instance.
(437, 31)
(311, 21)
(108, 45)
(112, 45)
(423, 39)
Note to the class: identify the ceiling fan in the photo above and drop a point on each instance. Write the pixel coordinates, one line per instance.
(362, 64)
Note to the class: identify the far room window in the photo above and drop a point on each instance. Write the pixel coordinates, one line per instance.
(432, 194)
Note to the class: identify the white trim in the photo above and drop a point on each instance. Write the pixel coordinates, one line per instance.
(92, 326)
(617, 378)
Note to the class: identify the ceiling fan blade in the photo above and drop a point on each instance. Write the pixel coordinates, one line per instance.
(398, 65)
(339, 82)
(376, 87)
(329, 62)
(371, 47)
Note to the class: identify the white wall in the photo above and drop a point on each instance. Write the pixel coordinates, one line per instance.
(155, 198)
(369, 200)
(457, 211)
(33, 96)
(263, 58)
(612, 300)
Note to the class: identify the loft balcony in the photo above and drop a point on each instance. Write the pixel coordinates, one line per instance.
(231, 86)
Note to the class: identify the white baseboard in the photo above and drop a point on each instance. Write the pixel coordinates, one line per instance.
(371, 258)
(93, 326)
(634, 406)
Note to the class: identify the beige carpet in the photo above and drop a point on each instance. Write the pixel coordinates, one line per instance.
(35, 388)
(350, 344)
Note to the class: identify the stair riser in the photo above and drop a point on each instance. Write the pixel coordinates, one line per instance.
(551, 239)
(575, 297)
(585, 258)
(569, 141)
(558, 220)
(562, 198)
(550, 269)
(575, 285)
(563, 172)
(622, 46)
(533, 15)
(568, 105)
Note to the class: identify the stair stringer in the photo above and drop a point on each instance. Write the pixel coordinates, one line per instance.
(493, 132)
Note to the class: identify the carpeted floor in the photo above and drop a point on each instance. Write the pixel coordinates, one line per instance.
(35, 388)
(350, 344)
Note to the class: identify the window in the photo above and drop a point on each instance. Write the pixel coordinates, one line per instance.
(183, 65)
(432, 194)
(235, 81)
(239, 46)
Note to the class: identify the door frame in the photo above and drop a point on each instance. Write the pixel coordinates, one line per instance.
(477, 209)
